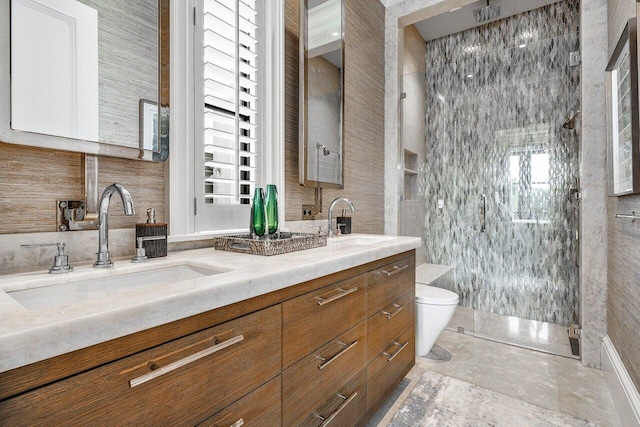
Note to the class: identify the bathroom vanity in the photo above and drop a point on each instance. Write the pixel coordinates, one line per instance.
(318, 337)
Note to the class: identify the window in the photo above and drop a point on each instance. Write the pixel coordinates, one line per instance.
(530, 185)
(227, 112)
(226, 136)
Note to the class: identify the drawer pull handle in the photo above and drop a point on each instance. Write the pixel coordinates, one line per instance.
(395, 270)
(238, 423)
(390, 356)
(327, 362)
(347, 400)
(182, 362)
(391, 314)
(342, 293)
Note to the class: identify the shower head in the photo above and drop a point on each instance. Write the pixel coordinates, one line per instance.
(325, 150)
(570, 122)
(487, 13)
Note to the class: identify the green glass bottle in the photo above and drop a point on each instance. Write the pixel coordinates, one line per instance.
(259, 223)
(272, 208)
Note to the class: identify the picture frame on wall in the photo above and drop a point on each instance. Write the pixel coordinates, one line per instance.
(623, 119)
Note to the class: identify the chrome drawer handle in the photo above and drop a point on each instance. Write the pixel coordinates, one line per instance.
(390, 356)
(182, 362)
(398, 309)
(395, 270)
(347, 400)
(343, 293)
(327, 362)
(238, 423)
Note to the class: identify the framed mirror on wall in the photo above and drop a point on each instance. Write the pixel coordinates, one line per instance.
(321, 87)
(623, 120)
(86, 76)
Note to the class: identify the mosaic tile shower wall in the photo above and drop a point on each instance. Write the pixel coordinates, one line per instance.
(497, 98)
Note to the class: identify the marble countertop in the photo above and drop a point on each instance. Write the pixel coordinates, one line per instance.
(28, 336)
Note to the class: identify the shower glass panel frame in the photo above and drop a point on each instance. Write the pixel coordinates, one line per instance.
(507, 170)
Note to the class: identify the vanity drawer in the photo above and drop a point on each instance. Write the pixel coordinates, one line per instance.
(307, 383)
(344, 406)
(389, 323)
(259, 408)
(313, 319)
(389, 367)
(388, 283)
(178, 383)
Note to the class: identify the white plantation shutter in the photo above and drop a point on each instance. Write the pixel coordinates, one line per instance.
(228, 153)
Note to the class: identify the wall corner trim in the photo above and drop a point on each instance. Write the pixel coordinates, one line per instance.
(625, 394)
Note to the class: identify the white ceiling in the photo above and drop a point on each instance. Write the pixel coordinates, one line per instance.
(388, 3)
(462, 19)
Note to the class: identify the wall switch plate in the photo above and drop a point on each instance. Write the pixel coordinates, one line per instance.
(307, 211)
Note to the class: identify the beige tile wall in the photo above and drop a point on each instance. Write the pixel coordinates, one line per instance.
(32, 179)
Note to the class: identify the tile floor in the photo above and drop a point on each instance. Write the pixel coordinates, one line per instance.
(527, 333)
(550, 381)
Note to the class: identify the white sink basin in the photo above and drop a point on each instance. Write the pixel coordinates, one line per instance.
(83, 290)
(361, 240)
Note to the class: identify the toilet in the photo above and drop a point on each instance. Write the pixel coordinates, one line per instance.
(434, 309)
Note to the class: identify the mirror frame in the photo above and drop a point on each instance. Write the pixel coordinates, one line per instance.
(303, 90)
(11, 136)
(629, 36)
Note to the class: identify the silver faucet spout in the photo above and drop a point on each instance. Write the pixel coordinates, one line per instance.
(330, 213)
(103, 260)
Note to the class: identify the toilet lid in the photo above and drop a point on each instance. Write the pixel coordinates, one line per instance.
(435, 296)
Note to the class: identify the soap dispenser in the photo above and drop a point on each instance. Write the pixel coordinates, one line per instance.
(153, 248)
(345, 220)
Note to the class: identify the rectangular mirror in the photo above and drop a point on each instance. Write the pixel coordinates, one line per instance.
(86, 75)
(623, 115)
(321, 149)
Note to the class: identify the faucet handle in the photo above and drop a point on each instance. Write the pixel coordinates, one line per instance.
(60, 261)
(340, 226)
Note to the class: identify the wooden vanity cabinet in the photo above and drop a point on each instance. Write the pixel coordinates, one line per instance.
(389, 282)
(259, 408)
(344, 406)
(391, 344)
(312, 319)
(329, 350)
(389, 367)
(178, 383)
(307, 384)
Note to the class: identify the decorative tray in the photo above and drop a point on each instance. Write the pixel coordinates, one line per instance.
(280, 243)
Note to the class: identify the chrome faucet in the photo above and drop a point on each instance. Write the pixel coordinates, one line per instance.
(330, 213)
(103, 226)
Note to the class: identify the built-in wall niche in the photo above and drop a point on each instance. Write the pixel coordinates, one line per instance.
(410, 175)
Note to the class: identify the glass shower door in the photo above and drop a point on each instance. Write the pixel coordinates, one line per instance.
(502, 163)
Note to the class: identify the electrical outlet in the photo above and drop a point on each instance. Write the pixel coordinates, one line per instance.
(307, 211)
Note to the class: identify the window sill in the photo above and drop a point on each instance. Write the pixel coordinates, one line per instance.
(204, 235)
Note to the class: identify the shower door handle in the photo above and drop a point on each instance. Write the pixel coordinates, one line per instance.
(483, 212)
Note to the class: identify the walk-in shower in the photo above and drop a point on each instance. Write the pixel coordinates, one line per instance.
(499, 181)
